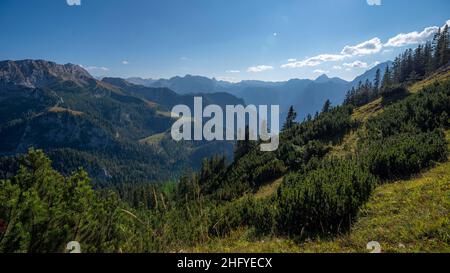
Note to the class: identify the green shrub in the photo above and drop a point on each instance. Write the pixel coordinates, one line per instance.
(323, 200)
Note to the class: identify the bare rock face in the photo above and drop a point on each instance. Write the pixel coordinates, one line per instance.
(38, 73)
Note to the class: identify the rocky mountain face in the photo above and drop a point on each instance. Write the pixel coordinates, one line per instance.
(39, 73)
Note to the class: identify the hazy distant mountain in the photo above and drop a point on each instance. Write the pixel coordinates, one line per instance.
(370, 74)
(307, 96)
(168, 98)
(141, 81)
(325, 79)
(182, 85)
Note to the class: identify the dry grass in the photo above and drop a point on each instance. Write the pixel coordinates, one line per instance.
(371, 109)
(269, 189)
(64, 110)
(153, 139)
(443, 75)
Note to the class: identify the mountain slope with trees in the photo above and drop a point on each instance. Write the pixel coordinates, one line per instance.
(336, 189)
(81, 121)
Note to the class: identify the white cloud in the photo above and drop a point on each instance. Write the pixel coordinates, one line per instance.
(337, 67)
(320, 71)
(259, 68)
(357, 64)
(374, 2)
(314, 61)
(233, 71)
(227, 79)
(415, 37)
(125, 62)
(372, 46)
(73, 2)
(95, 68)
(365, 48)
(275, 34)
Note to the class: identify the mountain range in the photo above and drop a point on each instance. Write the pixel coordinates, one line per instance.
(307, 96)
(116, 130)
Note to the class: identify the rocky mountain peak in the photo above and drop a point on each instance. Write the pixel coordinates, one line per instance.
(39, 73)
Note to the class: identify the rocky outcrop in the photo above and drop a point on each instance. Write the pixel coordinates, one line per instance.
(38, 73)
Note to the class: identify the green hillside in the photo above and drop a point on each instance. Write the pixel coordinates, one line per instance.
(405, 216)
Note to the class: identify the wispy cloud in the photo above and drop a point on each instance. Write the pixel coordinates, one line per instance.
(320, 71)
(73, 2)
(259, 68)
(125, 62)
(233, 71)
(415, 37)
(95, 68)
(369, 47)
(227, 79)
(365, 48)
(357, 64)
(314, 61)
(337, 67)
(374, 2)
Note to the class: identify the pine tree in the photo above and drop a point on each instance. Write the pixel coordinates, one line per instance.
(243, 147)
(290, 119)
(443, 48)
(386, 78)
(326, 107)
(377, 80)
(436, 49)
(428, 58)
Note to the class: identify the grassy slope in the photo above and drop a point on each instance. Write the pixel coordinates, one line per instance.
(439, 76)
(153, 139)
(405, 216)
(268, 189)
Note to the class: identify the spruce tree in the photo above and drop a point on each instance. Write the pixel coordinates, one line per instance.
(377, 80)
(326, 107)
(386, 78)
(290, 119)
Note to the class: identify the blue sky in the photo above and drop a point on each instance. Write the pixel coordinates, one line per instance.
(227, 39)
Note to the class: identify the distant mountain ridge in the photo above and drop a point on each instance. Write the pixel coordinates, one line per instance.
(307, 96)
